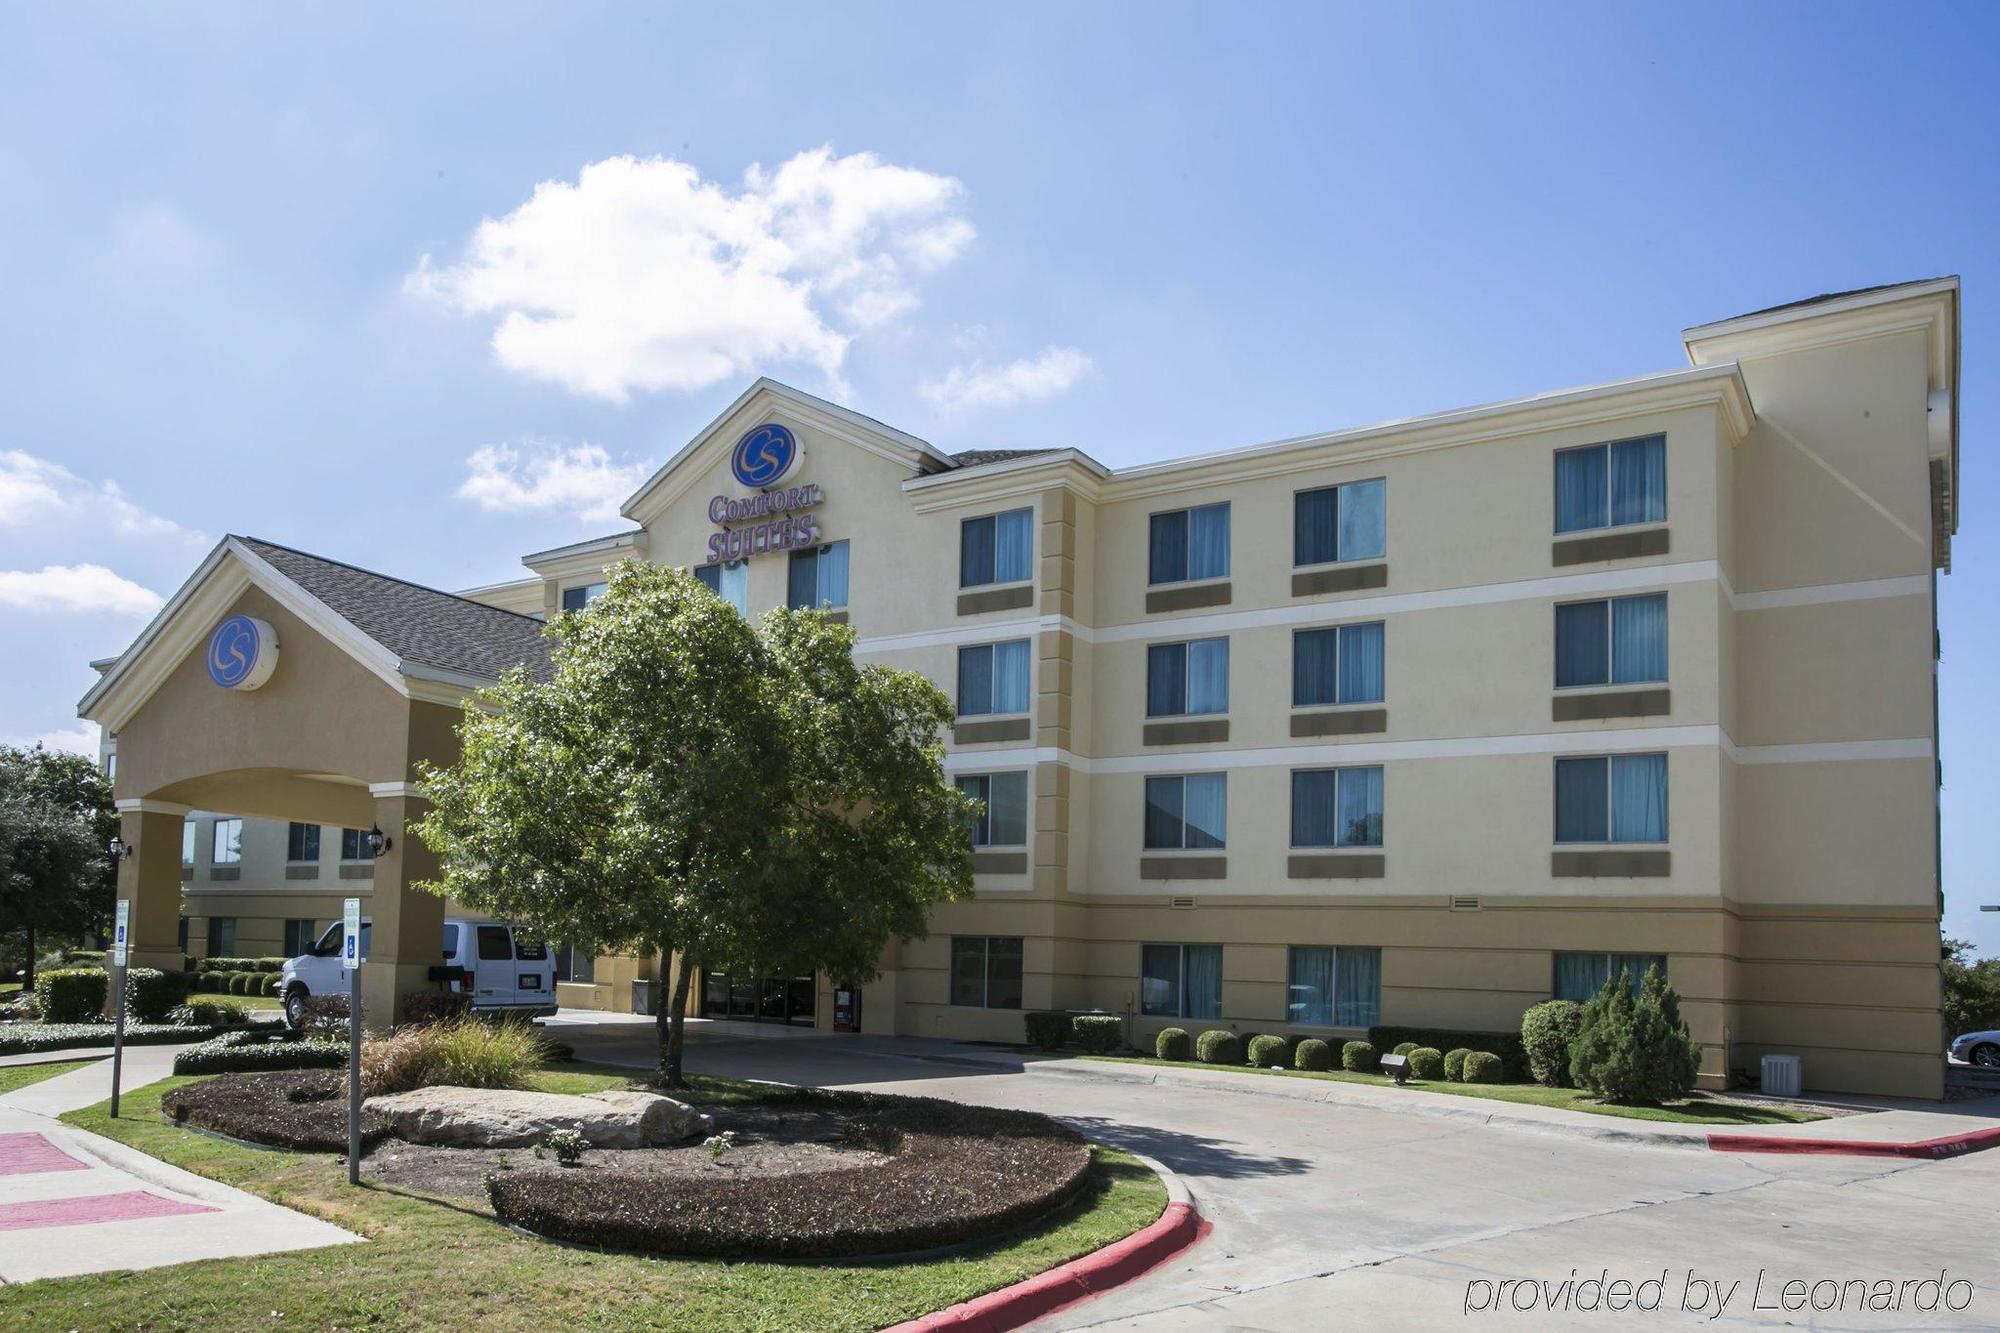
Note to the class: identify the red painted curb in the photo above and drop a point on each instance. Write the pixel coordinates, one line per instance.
(1078, 1280)
(1954, 1145)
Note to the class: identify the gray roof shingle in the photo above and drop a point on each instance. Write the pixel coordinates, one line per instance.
(974, 457)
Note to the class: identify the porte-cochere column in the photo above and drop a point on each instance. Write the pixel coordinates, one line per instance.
(408, 931)
(151, 878)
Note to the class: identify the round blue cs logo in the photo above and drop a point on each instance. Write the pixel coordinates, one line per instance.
(764, 455)
(242, 653)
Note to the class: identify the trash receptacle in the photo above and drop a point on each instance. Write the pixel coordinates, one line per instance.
(642, 998)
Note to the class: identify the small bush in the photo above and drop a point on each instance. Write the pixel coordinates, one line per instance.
(205, 1014)
(1454, 1064)
(434, 1006)
(223, 963)
(72, 994)
(1047, 1029)
(1635, 1049)
(1483, 1067)
(1313, 1054)
(83, 957)
(259, 1050)
(325, 1016)
(568, 1145)
(1218, 1046)
(1360, 1057)
(1268, 1050)
(268, 985)
(1547, 1032)
(1506, 1045)
(150, 994)
(1099, 1034)
(1426, 1063)
(1404, 1047)
(1173, 1044)
(466, 1054)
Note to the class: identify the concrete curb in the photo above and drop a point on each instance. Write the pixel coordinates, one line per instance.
(1952, 1145)
(1178, 1228)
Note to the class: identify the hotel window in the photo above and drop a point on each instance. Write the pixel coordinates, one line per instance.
(182, 937)
(354, 845)
(1619, 798)
(1348, 522)
(996, 548)
(1619, 641)
(111, 767)
(187, 842)
(1187, 678)
(1342, 665)
(575, 599)
(1337, 807)
(1186, 811)
(986, 971)
(577, 964)
(298, 936)
(993, 678)
(226, 848)
(1334, 987)
(1180, 980)
(1003, 808)
(1579, 976)
(1610, 485)
(730, 582)
(302, 842)
(818, 578)
(222, 937)
(1189, 544)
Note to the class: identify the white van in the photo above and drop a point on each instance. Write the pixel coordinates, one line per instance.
(506, 969)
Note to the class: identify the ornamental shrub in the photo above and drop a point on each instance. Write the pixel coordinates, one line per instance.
(1313, 1054)
(1173, 1044)
(239, 982)
(259, 1050)
(72, 994)
(1427, 1063)
(1635, 1048)
(1454, 1063)
(1404, 1047)
(1219, 1046)
(1547, 1031)
(150, 994)
(1483, 1067)
(1047, 1029)
(1099, 1034)
(267, 983)
(1506, 1045)
(205, 1014)
(1360, 1057)
(1266, 1051)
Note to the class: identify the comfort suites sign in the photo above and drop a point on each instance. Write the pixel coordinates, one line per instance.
(777, 518)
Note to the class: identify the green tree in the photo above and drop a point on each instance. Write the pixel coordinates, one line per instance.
(1971, 989)
(1634, 1047)
(746, 796)
(56, 823)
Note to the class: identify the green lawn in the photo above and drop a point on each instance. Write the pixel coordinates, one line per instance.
(9, 987)
(20, 1076)
(1694, 1111)
(444, 1264)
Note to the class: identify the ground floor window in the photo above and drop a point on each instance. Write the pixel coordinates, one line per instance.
(1180, 980)
(576, 964)
(298, 935)
(1579, 976)
(1334, 987)
(222, 937)
(184, 935)
(986, 971)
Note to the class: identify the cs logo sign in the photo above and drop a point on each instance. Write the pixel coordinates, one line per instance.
(242, 653)
(764, 455)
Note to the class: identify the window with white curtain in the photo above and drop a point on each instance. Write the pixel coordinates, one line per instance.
(1337, 807)
(1611, 485)
(1003, 808)
(1612, 798)
(993, 678)
(1180, 980)
(1579, 976)
(817, 578)
(731, 582)
(1612, 641)
(1188, 544)
(996, 548)
(1186, 811)
(1338, 665)
(1334, 987)
(227, 847)
(187, 842)
(986, 971)
(1348, 522)
(1183, 679)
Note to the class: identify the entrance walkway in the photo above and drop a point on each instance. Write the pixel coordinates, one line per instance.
(73, 1202)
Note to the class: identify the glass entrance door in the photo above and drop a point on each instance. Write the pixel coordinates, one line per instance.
(772, 999)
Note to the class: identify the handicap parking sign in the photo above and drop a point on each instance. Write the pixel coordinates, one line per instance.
(350, 942)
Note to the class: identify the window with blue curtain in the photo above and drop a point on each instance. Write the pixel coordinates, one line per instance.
(1620, 798)
(816, 579)
(1357, 981)
(1187, 678)
(1580, 976)
(1160, 980)
(1202, 987)
(1617, 641)
(1188, 544)
(1186, 811)
(1337, 807)
(1610, 485)
(1338, 665)
(993, 678)
(996, 548)
(1309, 987)
(1348, 522)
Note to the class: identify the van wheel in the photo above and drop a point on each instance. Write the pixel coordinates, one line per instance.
(295, 1008)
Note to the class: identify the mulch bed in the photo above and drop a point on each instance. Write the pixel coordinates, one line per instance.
(304, 1111)
(943, 1174)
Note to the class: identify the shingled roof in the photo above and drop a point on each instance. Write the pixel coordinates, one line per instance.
(417, 624)
(974, 457)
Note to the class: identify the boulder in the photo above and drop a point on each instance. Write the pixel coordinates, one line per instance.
(503, 1118)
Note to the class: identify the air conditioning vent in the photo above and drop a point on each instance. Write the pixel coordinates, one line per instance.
(1180, 902)
(1465, 904)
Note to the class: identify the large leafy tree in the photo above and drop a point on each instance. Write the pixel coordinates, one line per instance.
(56, 823)
(1971, 989)
(745, 796)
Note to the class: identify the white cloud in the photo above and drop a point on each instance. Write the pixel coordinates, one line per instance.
(644, 276)
(82, 588)
(77, 740)
(580, 479)
(1055, 370)
(33, 488)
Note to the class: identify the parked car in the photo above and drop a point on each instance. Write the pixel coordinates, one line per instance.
(1978, 1048)
(507, 969)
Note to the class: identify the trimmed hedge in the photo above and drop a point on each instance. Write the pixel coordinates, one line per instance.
(1506, 1045)
(1266, 1051)
(1048, 1029)
(1099, 1034)
(35, 1038)
(1454, 1063)
(72, 994)
(1426, 1063)
(1484, 1067)
(1548, 1030)
(151, 995)
(1360, 1057)
(1173, 1044)
(1219, 1046)
(258, 1050)
(223, 963)
(1313, 1054)
(1405, 1047)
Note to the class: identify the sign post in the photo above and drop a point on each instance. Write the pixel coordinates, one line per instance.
(118, 945)
(350, 962)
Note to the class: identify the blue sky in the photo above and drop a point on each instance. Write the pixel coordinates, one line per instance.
(244, 288)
